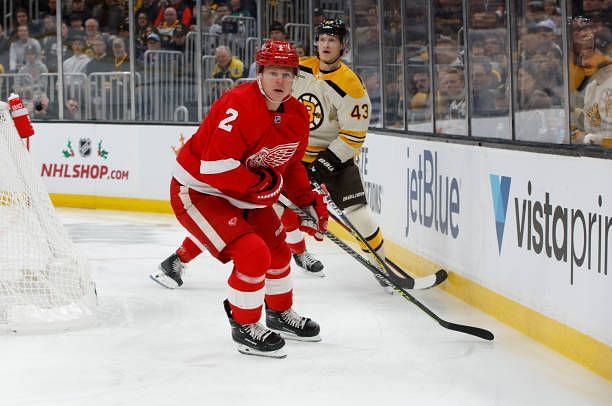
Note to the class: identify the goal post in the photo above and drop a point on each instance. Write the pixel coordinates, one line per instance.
(45, 284)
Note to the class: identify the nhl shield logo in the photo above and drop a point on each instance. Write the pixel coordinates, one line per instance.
(277, 119)
(85, 147)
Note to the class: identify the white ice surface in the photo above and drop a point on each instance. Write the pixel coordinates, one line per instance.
(154, 346)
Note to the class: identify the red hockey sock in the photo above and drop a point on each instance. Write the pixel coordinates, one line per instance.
(279, 288)
(251, 258)
(188, 250)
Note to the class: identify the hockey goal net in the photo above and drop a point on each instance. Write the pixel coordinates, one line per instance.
(44, 283)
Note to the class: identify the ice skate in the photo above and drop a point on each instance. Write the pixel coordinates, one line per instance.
(292, 326)
(170, 272)
(255, 339)
(309, 263)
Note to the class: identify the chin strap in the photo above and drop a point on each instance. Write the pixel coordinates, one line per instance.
(261, 89)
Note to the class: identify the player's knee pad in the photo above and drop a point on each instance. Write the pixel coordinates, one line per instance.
(361, 217)
(250, 254)
(290, 220)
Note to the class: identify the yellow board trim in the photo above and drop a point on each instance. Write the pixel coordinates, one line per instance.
(579, 347)
(111, 203)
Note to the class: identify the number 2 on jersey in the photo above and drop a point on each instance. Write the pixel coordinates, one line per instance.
(225, 123)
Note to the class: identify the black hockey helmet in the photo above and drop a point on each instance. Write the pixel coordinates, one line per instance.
(335, 27)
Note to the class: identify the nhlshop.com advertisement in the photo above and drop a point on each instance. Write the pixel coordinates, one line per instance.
(106, 160)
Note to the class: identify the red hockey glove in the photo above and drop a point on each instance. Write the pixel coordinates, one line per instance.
(267, 190)
(316, 224)
(325, 167)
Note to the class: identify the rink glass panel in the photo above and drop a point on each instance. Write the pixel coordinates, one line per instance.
(417, 60)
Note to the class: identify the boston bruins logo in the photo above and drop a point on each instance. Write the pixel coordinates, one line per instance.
(314, 108)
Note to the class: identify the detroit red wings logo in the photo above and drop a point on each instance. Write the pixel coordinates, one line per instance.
(272, 158)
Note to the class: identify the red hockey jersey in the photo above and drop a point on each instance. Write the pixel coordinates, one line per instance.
(240, 134)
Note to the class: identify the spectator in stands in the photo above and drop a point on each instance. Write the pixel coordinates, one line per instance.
(76, 22)
(227, 66)
(494, 50)
(177, 43)
(92, 30)
(18, 46)
(120, 55)
(299, 48)
(101, 61)
(48, 28)
(420, 91)
(153, 44)
(451, 99)
(484, 86)
(182, 13)
(22, 18)
(585, 60)
(590, 7)
(49, 47)
(79, 7)
(77, 63)
(109, 15)
(72, 110)
(277, 32)
(236, 9)
(535, 12)
(317, 17)
(221, 11)
(42, 108)
(207, 20)
(531, 95)
(446, 52)
(141, 31)
(5, 45)
(34, 67)
(553, 13)
(549, 67)
(51, 8)
(167, 26)
(150, 8)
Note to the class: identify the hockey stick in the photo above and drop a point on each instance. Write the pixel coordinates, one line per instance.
(408, 282)
(475, 331)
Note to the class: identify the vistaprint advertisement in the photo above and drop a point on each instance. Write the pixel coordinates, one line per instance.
(536, 228)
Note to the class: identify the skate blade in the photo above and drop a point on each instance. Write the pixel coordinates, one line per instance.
(320, 274)
(294, 337)
(246, 350)
(164, 280)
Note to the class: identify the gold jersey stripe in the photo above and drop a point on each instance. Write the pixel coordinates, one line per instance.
(351, 143)
(352, 137)
(355, 133)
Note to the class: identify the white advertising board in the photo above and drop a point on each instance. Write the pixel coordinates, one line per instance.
(536, 228)
(107, 160)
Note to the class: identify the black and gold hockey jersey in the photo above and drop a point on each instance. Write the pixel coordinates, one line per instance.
(338, 107)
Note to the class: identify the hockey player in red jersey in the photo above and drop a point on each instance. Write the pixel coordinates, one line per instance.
(228, 175)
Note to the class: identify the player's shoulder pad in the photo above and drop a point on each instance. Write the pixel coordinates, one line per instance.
(346, 82)
(307, 63)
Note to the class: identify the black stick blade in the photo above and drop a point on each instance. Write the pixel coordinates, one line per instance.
(475, 331)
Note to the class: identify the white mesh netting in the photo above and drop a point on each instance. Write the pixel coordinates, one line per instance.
(44, 282)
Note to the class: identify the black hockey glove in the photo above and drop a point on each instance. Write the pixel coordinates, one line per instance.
(325, 167)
